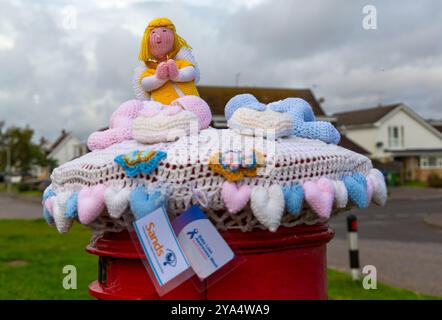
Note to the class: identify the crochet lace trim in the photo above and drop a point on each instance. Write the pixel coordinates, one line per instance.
(287, 161)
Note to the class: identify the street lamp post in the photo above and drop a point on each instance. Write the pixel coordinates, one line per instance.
(8, 169)
(237, 79)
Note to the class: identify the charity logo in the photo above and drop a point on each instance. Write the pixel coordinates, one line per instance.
(192, 233)
(170, 259)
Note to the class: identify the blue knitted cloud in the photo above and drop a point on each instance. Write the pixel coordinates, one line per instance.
(297, 108)
(293, 197)
(142, 203)
(245, 100)
(304, 124)
(357, 189)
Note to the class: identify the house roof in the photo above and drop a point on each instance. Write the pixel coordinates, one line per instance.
(347, 143)
(414, 152)
(364, 116)
(217, 97)
(64, 134)
(438, 127)
(436, 124)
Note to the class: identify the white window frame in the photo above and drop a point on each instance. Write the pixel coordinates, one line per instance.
(424, 162)
(398, 141)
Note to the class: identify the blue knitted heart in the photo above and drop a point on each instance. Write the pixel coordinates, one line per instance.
(47, 216)
(293, 197)
(48, 193)
(142, 203)
(357, 189)
(71, 206)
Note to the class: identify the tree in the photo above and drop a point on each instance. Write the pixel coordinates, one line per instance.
(24, 152)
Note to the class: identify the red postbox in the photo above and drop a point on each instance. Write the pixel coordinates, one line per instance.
(287, 264)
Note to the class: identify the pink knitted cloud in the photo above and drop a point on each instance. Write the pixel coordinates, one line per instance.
(198, 106)
(120, 126)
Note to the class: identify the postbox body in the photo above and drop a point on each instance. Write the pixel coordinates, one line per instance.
(287, 264)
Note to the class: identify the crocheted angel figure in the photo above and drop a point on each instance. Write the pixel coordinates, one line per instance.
(167, 78)
(169, 69)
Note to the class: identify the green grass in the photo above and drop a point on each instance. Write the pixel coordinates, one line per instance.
(415, 184)
(32, 257)
(341, 287)
(14, 189)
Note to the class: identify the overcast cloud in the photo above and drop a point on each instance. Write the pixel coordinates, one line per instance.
(68, 64)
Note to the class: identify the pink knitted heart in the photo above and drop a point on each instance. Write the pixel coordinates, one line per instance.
(319, 195)
(235, 198)
(90, 203)
(370, 189)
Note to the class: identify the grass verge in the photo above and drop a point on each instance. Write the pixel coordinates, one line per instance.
(32, 257)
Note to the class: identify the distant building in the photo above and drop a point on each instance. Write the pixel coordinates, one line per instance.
(395, 133)
(66, 147)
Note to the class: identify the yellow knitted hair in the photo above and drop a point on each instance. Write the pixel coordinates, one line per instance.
(178, 42)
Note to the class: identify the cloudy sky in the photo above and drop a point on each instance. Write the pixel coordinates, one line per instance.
(68, 64)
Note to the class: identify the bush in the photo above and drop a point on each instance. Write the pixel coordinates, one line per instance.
(434, 181)
(22, 187)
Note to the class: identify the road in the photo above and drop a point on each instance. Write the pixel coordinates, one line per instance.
(19, 207)
(406, 251)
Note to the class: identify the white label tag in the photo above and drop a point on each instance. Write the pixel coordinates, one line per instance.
(204, 247)
(161, 246)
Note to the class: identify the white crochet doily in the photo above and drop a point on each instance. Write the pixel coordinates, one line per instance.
(287, 160)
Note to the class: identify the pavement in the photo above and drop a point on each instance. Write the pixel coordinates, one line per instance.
(403, 240)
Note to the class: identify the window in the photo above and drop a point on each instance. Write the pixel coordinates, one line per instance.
(395, 136)
(431, 162)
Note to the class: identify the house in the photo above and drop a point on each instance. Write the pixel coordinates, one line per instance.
(395, 133)
(66, 147)
(217, 97)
